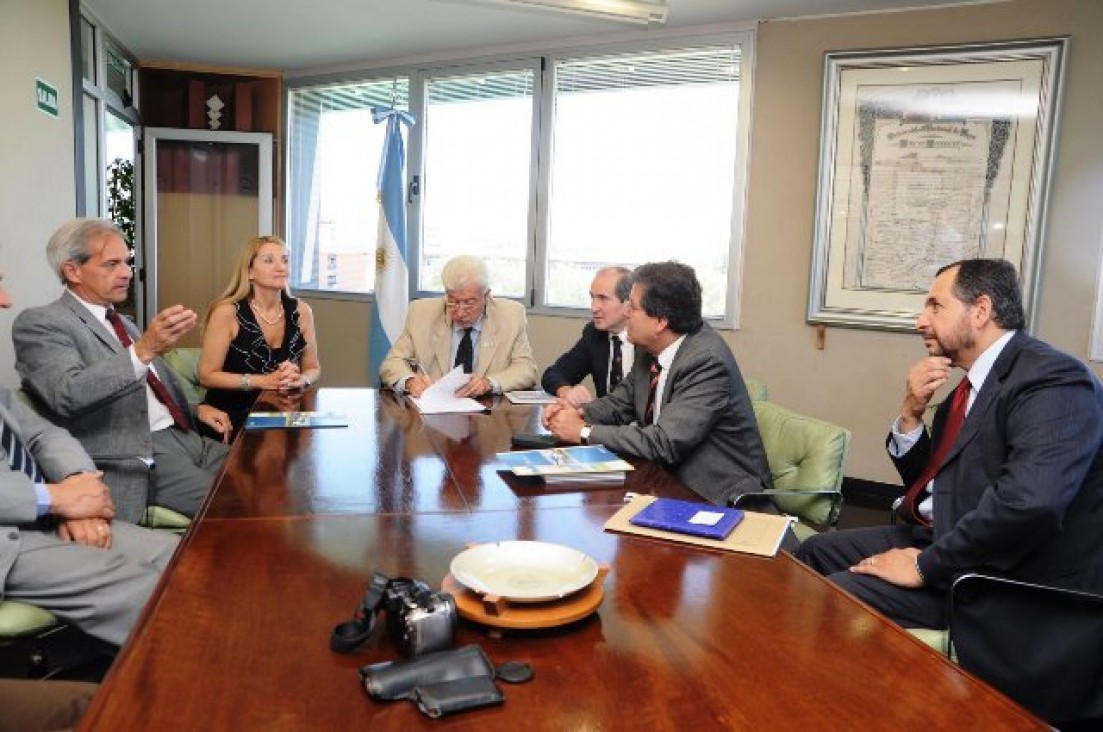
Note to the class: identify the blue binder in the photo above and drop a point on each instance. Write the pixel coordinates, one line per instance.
(670, 514)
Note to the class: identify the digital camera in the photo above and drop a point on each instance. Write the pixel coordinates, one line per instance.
(418, 619)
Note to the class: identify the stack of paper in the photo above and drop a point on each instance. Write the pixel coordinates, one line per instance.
(294, 420)
(585, 463)
(530, 397)
(440, 398)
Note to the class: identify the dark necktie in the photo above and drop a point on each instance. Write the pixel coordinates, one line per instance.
(653, 386)
(159, 389)
(616, 365)
(465, 354)
(909, 507)
(18, 457)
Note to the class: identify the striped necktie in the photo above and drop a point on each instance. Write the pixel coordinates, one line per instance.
(18, 457)
(616, 365)
(653, 387)
(159, 389)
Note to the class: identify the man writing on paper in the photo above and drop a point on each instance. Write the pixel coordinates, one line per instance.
(466, 328)
(684, 405)
(1010, 478)
(603, 352)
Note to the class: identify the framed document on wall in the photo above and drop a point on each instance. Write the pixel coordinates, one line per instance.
(928, 156)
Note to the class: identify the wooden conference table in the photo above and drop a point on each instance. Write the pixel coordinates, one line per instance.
(237, 635)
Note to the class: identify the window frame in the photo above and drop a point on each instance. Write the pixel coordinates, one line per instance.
(544, 60)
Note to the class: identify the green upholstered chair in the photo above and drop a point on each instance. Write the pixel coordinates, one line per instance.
(756, 389)
(807, 459)
(159, 517)
(18, 619)
(184, 362)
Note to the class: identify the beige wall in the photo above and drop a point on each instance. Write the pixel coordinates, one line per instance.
(857, 380)
(37, 188)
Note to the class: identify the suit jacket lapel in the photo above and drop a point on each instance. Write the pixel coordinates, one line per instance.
(96, 328)
(442, 343)
(487, 338)
(986, 396)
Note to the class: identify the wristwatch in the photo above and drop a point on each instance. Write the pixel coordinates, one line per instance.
(584, 434)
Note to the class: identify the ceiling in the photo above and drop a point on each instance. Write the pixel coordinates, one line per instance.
(290, 35)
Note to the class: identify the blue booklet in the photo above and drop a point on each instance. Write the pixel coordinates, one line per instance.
(686, 517)
(563, 461)
(294, 420)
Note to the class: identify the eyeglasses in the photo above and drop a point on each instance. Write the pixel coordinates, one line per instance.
(469, 304)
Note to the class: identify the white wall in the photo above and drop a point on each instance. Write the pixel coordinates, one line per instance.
(37, 180)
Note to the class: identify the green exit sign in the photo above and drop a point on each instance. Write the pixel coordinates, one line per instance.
(47, 97)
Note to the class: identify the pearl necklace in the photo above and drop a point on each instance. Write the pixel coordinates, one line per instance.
(260, 315)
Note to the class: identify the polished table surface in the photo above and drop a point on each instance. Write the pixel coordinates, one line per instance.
(236, 637)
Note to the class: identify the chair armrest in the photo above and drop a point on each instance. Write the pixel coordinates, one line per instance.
(1038, 644)
(834, 496)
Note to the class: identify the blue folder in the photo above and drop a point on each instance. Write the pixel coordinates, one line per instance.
(670, 514)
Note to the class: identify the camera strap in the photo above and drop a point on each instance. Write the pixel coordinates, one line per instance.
(350, 635)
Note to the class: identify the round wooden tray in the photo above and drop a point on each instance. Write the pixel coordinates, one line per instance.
(498, 612)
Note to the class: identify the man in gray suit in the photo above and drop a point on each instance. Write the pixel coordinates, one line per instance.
(60, 547)
(685, 406)
(91, 371)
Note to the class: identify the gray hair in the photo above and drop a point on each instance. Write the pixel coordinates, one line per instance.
(465, 271)
(71, 242)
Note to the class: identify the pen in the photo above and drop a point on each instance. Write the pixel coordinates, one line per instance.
(416, 366)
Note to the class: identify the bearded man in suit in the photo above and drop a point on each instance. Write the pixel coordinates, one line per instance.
(1018, 491)
(684, 405)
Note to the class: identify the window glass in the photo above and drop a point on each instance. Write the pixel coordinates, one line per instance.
(119, 73)
(335, 152)
(477, 173)
(548, 168)
(87, 51)
(642, 167)
(92, 204)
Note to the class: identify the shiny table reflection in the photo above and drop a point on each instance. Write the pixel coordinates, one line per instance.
(237, 636)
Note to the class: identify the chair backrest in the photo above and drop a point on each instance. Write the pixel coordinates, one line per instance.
(184, 362)
(804, 454)
(756, 389)
(1040, 645)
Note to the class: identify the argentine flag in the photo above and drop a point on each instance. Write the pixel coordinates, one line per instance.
(392, 278)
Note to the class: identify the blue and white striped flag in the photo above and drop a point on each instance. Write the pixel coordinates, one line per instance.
(392, 278)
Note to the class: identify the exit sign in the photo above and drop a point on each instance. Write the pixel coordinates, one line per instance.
(46, 95)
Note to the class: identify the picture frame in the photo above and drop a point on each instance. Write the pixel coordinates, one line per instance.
(928, 156)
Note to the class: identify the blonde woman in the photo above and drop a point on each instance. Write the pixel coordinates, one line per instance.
(256, 336)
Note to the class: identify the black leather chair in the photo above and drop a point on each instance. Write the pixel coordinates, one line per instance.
(1040, 645)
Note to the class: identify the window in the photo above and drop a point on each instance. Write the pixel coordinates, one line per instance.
(643, 154)
(477, 175)
(549, 167)
(335, 152)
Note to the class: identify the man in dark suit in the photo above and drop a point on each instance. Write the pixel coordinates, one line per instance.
(93, 377)
(684, 405)
(603, 352)
(1017, 493)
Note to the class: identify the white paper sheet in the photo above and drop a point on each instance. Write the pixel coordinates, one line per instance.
(440, 398)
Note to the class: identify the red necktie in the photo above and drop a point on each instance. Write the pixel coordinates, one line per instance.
(909, 508)
(653, 387)
(159, 389)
